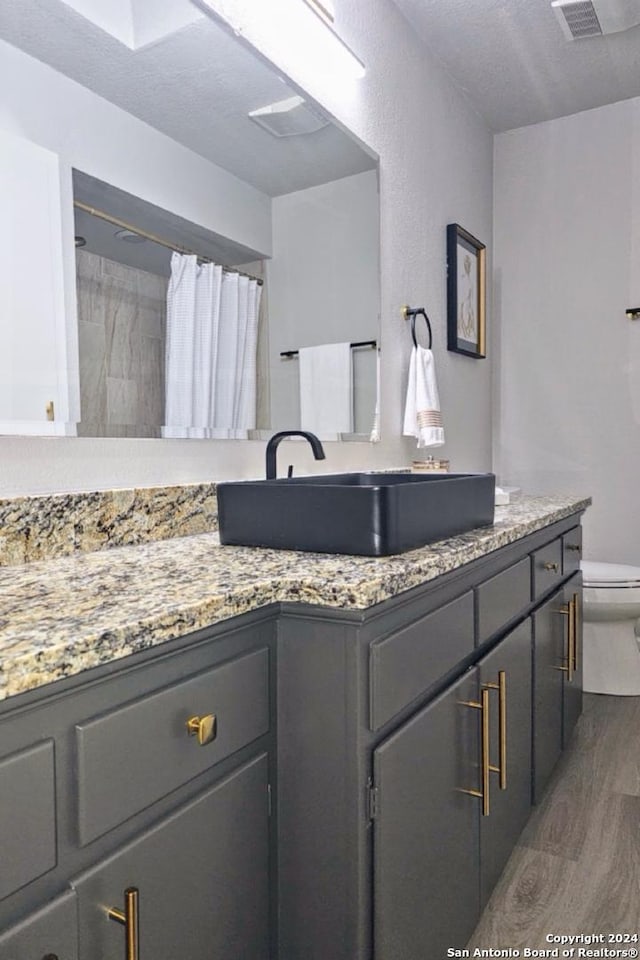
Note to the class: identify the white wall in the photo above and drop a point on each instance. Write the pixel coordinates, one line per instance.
(567, 264)
(435, 168)
(324, 285)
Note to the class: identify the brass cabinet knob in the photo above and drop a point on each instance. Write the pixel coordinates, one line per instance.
(554, 567)
(574, 546)
(204, 728)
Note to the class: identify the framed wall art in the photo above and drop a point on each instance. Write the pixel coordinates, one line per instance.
(466, 293)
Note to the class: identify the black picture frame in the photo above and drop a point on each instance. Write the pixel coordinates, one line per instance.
(466, 293)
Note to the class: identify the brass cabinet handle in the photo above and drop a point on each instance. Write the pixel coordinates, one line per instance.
(571, 660)
(574, 546)
(204, 728)
(501, 687)
(483, 794)
(129, 919)
(569, 611)
(575, 602)
(551, 565)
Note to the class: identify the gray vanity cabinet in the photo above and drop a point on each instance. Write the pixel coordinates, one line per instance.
(376, 730)
(557, 691)
(202, 876)
(549, 654)
(426, 841)
(153, 773)
(380, 753)
(48, 934)
(509, 665)
(437, 855)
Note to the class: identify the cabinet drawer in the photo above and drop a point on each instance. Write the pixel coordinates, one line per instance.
(547, 567)
(571, 550)
(502, 598)
(407, 663)
(142, 751)
(27, 816)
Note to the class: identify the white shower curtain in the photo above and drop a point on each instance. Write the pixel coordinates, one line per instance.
(211, 345)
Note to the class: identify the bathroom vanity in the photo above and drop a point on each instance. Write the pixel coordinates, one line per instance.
(259, 754)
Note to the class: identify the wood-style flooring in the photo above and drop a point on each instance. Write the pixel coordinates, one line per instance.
(576, 868)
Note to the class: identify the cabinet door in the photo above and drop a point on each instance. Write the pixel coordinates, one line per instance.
(550, 656)
(572, 696)
(34, 363)
(202, 876)
(49, 933)
(508, 667)
(426, 895)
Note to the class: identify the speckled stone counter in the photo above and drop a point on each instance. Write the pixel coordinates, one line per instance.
(60, 617)
(47, 526)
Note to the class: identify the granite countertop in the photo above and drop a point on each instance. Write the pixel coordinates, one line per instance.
(60, 617)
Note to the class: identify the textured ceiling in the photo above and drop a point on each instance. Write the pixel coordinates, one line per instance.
(512, 60)
(196, 84)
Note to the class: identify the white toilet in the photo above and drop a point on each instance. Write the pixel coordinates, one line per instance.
(611, 628)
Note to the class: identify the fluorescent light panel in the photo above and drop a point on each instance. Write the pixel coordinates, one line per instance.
(310, 41)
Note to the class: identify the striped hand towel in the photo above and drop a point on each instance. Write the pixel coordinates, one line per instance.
(422, 418)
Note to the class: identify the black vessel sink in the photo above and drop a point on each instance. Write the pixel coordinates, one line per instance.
(369, 514)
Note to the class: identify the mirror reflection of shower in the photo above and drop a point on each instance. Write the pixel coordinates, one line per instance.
(212, 365)
(153, 313)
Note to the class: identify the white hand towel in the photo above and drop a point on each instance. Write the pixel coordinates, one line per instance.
(422, 418)
(374, 436)
(326, 390)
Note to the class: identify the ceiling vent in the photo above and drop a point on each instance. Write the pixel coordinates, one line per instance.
(290, 118)
(594, 18)
(578, 19)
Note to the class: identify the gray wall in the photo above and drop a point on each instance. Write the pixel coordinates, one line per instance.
(324, 287)
(567, 264)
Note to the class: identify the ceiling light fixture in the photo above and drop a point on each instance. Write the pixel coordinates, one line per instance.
(290, 118)
(311, 44)
(324, 8)
(128, 236)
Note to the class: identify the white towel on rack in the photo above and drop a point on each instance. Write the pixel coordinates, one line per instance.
(374, 436)
(326, 389)
(422, 417)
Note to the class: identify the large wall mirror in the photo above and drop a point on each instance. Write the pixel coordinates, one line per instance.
(266, 319)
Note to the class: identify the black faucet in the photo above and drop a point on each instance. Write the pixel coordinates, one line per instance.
(272, 446)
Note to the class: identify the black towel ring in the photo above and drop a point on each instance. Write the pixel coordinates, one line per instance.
(414, 312)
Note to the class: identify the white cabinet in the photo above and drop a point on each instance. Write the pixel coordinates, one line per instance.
(34, 344)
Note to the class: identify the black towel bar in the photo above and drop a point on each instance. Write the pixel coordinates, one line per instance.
(360, 343)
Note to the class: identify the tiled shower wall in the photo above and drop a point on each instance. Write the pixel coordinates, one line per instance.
(121, 329)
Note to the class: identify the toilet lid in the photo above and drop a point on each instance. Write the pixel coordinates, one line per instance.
(597, 574)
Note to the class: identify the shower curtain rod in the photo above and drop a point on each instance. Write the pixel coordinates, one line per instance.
(117, 222)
